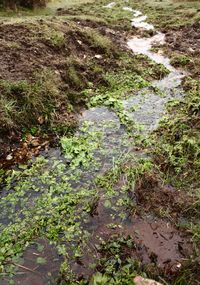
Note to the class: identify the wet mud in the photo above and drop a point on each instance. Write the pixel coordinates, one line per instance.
(157, 244)
(39, 264)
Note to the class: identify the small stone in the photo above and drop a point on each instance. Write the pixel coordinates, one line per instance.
(57, 72)
(41, 120)
(98, 56)
(191, 50)
(178, 265)
(139, 280)
(9, 157)
(35, 143)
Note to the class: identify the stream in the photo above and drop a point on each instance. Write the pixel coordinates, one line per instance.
(57, 187)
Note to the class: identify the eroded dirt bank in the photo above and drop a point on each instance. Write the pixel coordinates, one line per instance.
(115, 195)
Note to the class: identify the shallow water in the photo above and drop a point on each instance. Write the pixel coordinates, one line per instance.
(144, 46)
(142, 24)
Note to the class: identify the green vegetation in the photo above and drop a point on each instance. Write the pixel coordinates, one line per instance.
(96, 40)
(79, 150)
(22, 103)
(54, 197)
(89, 62)
(180, 60)
(116, 270)
(178, 147)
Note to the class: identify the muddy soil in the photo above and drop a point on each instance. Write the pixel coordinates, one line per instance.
(33, 48)
(151, 195)
(178, 42)
(178, 39)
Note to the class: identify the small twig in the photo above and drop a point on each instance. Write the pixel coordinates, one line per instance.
(23, 267)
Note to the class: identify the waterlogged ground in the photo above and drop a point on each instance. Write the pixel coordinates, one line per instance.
(66, 211)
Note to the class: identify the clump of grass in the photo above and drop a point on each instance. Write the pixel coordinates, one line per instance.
(97, 41)
(7, 112)
(53, 34)
(57, 38)
(10, 44)
(23, 102)
(74, 77)
(180, 60)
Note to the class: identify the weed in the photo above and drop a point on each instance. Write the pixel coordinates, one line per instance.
(78, 150)
(73, 77)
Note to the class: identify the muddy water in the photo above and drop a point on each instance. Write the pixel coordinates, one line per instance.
(102, 128)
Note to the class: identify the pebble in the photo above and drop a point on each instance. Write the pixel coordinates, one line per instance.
(98, 56)
(139, 280)
(9, 157)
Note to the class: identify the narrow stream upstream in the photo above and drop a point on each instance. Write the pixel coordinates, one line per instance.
(56, 177)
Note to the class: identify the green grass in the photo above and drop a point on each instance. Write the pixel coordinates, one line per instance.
(50, 9)
(97, 41)
(22, 102)
(170, 13)
(180, 60)
(178, 149)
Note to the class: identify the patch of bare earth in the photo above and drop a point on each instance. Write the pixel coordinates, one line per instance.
(186, 41)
